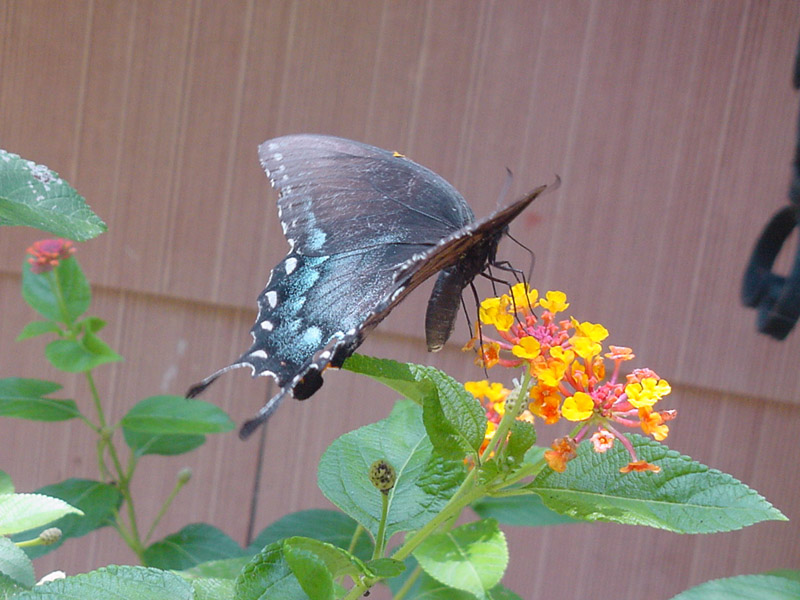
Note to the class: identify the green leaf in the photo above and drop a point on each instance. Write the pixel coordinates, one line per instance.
(15, 564)
(192, 545)
(8, 587)
(744, 587)
(6, 485)
(34, 196)
(23, 399)
(472, 557)
(685, 497)
(386, 567)
(90, 324)
(36, 328)
(20, 512)
(268, 576)
(398, 376)
(114, 583)
(424, 481)
(226, 568)
(97, 500)
(310, 571)
(78, 356)
(143, 443)
(525, 510)
(170, 415)
(430, 589)
(325, 525)
(454, 418)
(61, 295)
(523, 437)
(212, 589)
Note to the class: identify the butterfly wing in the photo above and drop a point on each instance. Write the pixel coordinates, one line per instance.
(337, 195)
(353, 215)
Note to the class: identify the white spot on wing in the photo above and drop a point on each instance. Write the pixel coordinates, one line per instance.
(312, 335)
(272, 299)
(258, 354)
(267, 325)
(291, 265)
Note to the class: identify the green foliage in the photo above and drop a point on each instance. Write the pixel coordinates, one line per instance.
(34, 196)
(25, 399)
(745, 587)
(97, 501)
(423, 486)
(194, 544)
(685, 497)
(434, 441)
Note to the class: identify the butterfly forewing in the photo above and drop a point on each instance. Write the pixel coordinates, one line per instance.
(337, 195)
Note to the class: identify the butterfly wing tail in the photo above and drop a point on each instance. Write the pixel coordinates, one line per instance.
(199, 388)
(262, 415)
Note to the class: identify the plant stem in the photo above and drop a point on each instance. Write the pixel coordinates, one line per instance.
(164, 507)
(380, 539)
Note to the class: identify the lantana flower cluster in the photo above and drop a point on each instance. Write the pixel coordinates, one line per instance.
(569, 379)
(46, 254)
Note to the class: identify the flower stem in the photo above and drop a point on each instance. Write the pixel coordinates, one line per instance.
(380, 538)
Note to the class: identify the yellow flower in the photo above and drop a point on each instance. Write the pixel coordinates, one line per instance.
(554, 301)
(528, 347)
(593, 331)
(578, 407)
(585, 347)
(494, 311)
(523, 297)
(646, 393)
(494, 392)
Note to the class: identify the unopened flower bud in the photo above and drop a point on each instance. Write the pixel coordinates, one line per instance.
(50, 536)
(382, 475)
(184, 475)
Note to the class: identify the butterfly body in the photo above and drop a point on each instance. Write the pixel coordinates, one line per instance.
(365, 227)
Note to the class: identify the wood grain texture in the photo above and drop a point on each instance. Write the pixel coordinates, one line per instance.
(671, 124)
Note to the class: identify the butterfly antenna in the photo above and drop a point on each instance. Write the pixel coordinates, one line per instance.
(506, 187)
(262, 415)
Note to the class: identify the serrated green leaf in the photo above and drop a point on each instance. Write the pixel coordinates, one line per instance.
(395, 375)
(6, 484)
(91, 324)
(685, 497)
(227, 568)
(454, 418)
(523, 437)
(23, 399)
(428, 588)
(744, 587)
(268, 577)
(61, 295)
(525, 510)
(472, 557)
(212, 589)
(21, 512)
(310, 571)
(97, 500)
(8, 587)
(36, 328)
(15, 564)
(114, 583)
(175, 415)
(192, 545)
(422, 486)
(329, 526)
(32, 195)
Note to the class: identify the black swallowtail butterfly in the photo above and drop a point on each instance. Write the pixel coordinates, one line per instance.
(365, 227)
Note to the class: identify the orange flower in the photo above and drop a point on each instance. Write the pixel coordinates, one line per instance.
(46, 254)
(640, 465)
(563, 450)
